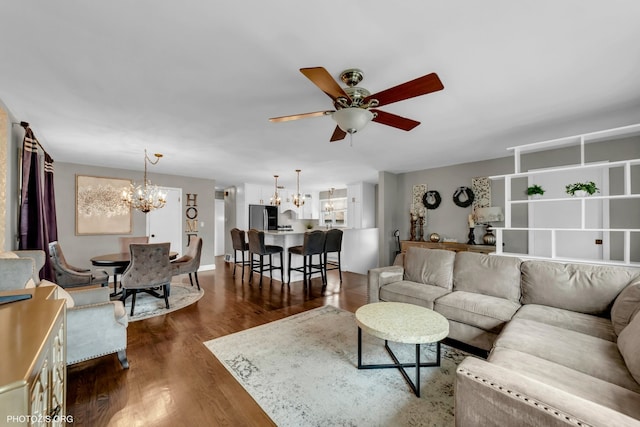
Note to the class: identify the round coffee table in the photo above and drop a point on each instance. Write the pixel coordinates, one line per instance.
(403, 323)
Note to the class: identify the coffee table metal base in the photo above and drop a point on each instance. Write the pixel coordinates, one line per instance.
(415, 386)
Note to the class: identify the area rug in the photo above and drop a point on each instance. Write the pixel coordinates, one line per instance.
(181, 295)
(302, 370)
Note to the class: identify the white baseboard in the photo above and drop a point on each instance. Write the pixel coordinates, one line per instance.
(207, 267)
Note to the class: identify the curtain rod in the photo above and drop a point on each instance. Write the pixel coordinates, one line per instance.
(25, 125)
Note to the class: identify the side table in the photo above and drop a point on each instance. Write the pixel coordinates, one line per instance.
(403, 323)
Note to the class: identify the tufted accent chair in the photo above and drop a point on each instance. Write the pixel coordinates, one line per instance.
(69, 276)
(88, 310)
(149, 270)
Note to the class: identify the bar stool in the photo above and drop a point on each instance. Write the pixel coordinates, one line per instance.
(333, 243)
(239, 241)
(313, 244)
(257, 247)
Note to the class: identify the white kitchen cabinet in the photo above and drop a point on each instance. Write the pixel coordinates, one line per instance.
(311, 207)
(257, 194)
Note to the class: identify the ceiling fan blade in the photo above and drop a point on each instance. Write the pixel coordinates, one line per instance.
(394, 120)
(338, 134)
(321, 78)
(417, 87)
(300, 116)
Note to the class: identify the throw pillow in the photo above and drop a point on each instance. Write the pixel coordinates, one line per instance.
(629, 346)
(625, 307)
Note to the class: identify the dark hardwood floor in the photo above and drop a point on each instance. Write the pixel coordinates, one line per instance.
(173, 380)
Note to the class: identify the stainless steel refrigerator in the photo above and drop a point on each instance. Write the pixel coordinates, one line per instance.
(263, 217)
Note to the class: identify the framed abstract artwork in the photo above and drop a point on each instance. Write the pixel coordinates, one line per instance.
(99, 206)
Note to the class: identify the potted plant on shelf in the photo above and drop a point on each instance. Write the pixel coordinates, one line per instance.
(581, 189)
(535, 191)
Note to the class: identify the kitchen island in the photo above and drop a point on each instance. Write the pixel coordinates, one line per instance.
(359, 250)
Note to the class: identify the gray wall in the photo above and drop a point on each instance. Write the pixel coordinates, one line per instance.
(79, 249)
(13, 139)
(388, 216)
(450, 220)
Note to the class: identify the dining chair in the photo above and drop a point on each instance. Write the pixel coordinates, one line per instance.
(239, 241)
(333, 244)
(258, 247)
(69, 276)
(149, 271)
(126, 241)
(190, 261)
(313, 244)
(124, 248)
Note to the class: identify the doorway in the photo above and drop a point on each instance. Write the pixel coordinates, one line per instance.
(165, 225)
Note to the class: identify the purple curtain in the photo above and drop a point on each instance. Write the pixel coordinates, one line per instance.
(37, 209)
(50, 221)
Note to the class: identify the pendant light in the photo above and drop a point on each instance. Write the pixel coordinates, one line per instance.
(146, 196)
(298, 199)
(275, 199)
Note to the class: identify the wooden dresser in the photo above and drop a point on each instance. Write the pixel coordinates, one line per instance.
(33, 369)
(450, 246)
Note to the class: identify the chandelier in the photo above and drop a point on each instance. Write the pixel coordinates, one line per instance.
(146, 196)
(298, 199)
(275, 199)
(329, 205)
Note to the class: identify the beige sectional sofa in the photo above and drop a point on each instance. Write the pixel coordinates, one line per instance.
(564, 340)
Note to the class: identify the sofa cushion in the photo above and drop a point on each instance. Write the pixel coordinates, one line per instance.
(579, 322)
(497, 276)
(429, 266)
(584, 353)
(629, 345)
(482, 311)
(625, 307)
(412, 293)
(577, 287)
(575, 382)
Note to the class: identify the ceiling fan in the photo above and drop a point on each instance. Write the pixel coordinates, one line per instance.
(355, 106)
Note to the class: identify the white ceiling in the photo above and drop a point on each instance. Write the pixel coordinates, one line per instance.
(197, 80)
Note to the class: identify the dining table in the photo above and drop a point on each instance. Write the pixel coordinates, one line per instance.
(119, 262)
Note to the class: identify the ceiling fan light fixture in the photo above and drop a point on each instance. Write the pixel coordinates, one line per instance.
(353, 119)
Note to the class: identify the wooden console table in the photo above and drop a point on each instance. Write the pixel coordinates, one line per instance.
(450, 246)
(33, 370)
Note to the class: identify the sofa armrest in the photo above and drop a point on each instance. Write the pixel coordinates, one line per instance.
(378, 277)
(491, 395)
(89, 296)
(38, 257)
(15, 273)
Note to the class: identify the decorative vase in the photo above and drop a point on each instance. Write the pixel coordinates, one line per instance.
(489, 238)
(535, 196)
(434, 237)
(580, 193)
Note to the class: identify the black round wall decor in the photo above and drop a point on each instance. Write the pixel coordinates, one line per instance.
(431, 199)
(463, 197)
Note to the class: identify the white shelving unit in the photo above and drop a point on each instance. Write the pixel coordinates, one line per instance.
(581, 140)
